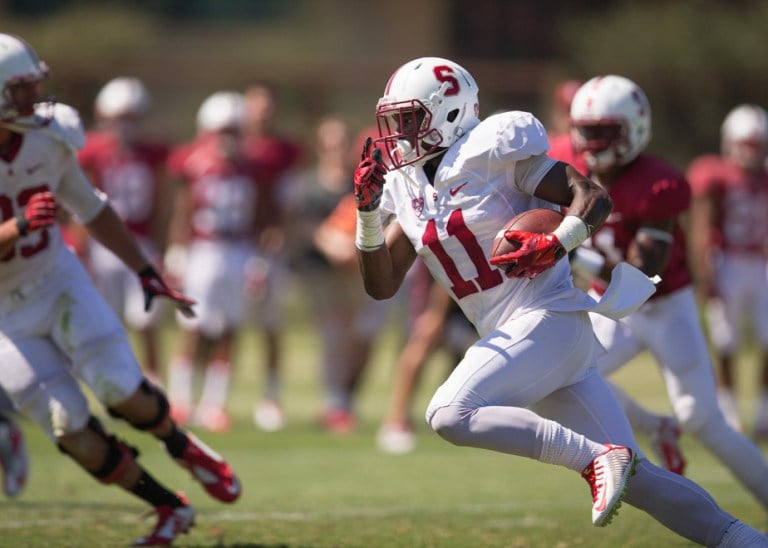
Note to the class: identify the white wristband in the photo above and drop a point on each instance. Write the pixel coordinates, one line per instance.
(370, 232)
(571, 232)
(587, 262)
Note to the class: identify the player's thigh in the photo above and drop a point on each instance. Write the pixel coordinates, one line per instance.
(520, 363)
(36, 377)
(619, 343)
(92, 336)
(589, 408)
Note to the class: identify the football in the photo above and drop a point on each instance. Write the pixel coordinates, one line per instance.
(533, 220)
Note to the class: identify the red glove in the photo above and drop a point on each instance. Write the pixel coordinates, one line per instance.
(537, 253)
(154, 286)
(39, 212)
(369, 178)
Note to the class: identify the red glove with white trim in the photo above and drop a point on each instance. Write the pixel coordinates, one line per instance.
(40, 212)
(537, 253)
(154, 286)
(369, 178)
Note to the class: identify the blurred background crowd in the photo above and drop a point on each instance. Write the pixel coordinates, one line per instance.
(284, 92)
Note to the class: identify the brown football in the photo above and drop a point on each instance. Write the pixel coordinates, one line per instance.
(533, 220)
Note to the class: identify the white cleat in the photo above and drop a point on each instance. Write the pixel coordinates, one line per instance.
(607, 476)
(395, 439)
(171, 522)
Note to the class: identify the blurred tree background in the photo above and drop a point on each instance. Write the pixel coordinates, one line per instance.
(695, 59)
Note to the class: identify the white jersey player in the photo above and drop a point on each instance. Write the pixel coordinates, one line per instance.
(55, 328)
(529, 386)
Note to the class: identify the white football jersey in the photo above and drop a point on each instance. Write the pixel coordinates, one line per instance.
(45, 161)
(486, 178)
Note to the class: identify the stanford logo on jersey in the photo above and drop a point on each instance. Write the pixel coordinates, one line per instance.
(418, 205)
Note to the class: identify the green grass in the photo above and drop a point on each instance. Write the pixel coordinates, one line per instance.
(304, 488)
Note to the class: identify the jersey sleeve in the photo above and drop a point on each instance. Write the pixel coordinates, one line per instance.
(78, 195)
(666, 197)
(703, 174)
(520, 135)
(522, 147)
(175, 163)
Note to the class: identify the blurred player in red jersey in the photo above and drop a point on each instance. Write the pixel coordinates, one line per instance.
(57, 329)
(212, 244)
(129, 169)
(729, 248)
(278, 157)
(611, 127)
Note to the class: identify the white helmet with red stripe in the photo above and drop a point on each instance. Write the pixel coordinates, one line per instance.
(122, 96)
(610, 122)
(19, 64)
(427, 105)
(744, 136)
(224, 110)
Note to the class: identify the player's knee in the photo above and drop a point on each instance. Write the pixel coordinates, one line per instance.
(451, 423)
(161, 413)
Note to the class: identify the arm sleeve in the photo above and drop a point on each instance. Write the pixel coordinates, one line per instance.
(78, 195)
(530, 172)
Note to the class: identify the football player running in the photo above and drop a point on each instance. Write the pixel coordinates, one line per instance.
(729, 232)
(449, 183)
(611, 127)
(57, 330)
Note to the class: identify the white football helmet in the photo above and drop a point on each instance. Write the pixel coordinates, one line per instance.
(744, 136)
(221, 111)
(610, 122)
(19, 64)
(427, 105)
(122, 96)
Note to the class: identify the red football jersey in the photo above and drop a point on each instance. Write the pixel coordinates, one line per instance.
(648, 189)
(223, 191)
(128, 176)
(741, 200)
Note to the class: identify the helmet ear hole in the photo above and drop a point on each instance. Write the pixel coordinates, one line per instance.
(452, 115)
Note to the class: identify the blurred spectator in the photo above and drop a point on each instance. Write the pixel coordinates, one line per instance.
(322, 252)
(560, 107)
(129, 169)
(278, 157)
(437, 322)
(212, 240)
(729, 248)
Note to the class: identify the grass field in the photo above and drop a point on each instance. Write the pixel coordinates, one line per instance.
(305, 488)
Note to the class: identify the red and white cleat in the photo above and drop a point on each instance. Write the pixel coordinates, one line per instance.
(171, 522)
(665, 443)
(210, 469)
(607, 476)
(13, 458)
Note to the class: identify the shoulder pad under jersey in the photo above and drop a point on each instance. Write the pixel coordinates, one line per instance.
(66, 126)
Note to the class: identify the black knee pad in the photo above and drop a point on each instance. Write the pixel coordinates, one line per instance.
(163, 408)
(119, 454)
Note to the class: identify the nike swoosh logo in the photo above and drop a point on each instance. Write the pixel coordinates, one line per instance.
(456, 189)
(32, 169)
